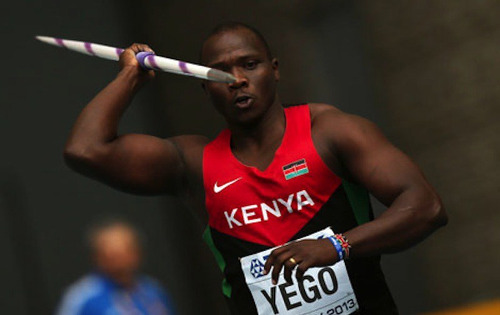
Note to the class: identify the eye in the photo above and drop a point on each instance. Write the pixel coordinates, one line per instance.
(250, 64)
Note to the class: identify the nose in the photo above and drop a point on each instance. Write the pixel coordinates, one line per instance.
(241, 80)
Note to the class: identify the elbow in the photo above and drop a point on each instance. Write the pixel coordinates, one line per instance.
(437, 216)
(79, 158)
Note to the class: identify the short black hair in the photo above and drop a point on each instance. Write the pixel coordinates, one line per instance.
(231, 26)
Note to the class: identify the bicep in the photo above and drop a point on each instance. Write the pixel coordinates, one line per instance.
(378, 165)
(140, 164)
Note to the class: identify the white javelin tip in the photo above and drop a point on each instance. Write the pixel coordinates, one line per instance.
(46, 39)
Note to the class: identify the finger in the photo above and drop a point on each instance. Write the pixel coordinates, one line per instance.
(271, 259)
(289, 266)
(128, 51)
(278, 264)
(301, 269)
(269, 263)
(137, 47)
(276, 272)
(127, 57)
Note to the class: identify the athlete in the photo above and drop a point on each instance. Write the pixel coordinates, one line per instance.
(276, 174)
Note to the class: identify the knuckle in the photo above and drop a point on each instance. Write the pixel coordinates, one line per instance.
(285, 256)
(277, 251)
(280, 260)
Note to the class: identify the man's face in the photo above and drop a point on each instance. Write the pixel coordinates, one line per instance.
(241, 53)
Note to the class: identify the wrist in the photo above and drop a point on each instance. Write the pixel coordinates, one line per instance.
(341, 245)
(133, 76)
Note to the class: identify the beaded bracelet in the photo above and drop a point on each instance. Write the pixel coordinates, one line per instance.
(341, 244)
(344, 243)
(338, 248)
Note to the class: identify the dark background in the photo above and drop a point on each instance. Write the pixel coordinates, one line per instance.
(425, 71)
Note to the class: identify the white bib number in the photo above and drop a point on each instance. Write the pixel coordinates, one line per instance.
(322, 291)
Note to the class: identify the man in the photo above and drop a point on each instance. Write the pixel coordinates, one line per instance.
(274, 175)
(114, 287)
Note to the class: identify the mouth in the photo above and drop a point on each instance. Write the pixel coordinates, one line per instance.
(243, 101)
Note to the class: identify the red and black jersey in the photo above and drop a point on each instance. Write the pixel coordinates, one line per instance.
(296, 195)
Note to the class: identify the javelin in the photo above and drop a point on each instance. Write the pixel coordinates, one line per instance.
(147, 60)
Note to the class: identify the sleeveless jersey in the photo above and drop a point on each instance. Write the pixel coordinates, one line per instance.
(296, 195)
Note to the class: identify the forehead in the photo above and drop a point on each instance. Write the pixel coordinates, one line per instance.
(231, 44)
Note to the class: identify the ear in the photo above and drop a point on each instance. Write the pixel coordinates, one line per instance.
(275, 66)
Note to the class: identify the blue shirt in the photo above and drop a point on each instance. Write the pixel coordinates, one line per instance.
(97, 294)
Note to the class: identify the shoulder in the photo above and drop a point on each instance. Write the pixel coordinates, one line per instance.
(340, 137)
(190, 148)
(317, 109)
(340, 127)
(188, 143)
(154, 288)
(149, 282)
(80, 294)
(324, 113)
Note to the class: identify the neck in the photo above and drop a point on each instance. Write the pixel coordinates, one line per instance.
(124, 280)
(127, 281)
(266, 131)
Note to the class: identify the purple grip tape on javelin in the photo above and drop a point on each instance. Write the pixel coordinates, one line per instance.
(141, 57)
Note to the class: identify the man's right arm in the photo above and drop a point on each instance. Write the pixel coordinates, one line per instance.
(134, 163)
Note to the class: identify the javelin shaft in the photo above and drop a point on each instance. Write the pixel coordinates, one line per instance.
(146, 59)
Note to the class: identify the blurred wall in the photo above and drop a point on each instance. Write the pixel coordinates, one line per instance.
(437, 71)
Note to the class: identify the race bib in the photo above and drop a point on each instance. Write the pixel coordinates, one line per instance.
(322, 291)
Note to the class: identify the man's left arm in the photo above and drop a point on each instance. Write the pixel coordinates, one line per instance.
(414, 208)
(367, 157)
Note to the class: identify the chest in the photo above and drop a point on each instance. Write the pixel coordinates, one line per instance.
(267, 207)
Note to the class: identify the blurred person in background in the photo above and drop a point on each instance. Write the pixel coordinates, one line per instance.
(115, 286)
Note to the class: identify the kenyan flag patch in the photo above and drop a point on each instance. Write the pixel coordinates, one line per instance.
(295, 169)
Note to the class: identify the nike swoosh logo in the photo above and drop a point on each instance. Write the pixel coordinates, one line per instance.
(218, 189)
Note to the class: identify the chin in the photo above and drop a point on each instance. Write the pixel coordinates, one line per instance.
(247, 117)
